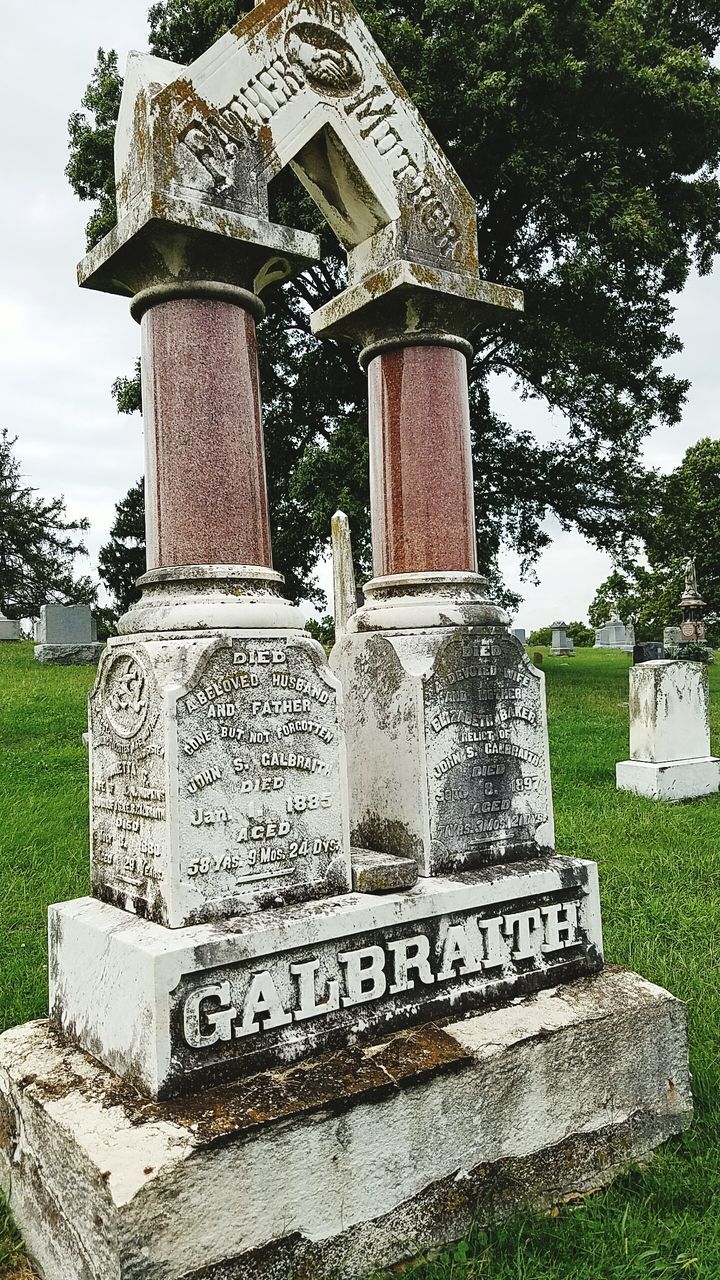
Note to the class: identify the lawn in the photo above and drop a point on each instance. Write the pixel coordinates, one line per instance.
(660, 882)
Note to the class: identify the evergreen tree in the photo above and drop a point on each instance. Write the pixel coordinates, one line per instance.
(122, 560)
(38, 545)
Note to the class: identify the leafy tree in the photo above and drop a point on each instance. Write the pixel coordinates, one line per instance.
(589, 135)
(583, 637)
(683, 521)
(122, 560)
(37, 545)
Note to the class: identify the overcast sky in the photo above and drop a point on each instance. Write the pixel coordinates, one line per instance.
(61, 347)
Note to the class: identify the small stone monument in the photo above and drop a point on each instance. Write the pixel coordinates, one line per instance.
(66, 635)
(561, 644)
(672, 637)
(519, 634)
(692, 608)
(9, 628)
(615, 634)
(669, 733)
(648, 651)
(276, 1048)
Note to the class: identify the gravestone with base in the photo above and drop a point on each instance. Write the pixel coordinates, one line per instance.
(66, 635)
(669, 733)
(561, 645)
(256, 1064)
(9, 628)
(615, 634)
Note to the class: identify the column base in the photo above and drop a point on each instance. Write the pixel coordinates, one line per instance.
(354, 1160)
(563, 653)
(674, 780)
(69, 655)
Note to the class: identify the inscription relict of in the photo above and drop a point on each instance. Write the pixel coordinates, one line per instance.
(233, 780)
(486, 740)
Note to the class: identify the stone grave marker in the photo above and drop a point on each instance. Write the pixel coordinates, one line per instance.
(672, 637)
(648, 651)
(615, 635)
(291, 952)
(66, 635)
(519, 634)
(561, 645)
(9, 628)
(669, 733)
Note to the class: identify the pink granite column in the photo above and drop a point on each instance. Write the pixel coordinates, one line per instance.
(205, 489)
(421, 490)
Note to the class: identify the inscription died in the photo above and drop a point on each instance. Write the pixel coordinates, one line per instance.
(252, 809)
(487, 758)
(252, 806)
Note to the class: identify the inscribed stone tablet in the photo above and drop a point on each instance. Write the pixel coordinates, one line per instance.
(248, 752)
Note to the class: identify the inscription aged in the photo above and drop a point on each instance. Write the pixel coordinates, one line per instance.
(259, 775)
(263, 1010)
(253, 812)
(488, 771)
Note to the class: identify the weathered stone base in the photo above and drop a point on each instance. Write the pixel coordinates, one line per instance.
(177, 1010)
(563, 653)
(347, 1163)
(69, 655)
(674, 780)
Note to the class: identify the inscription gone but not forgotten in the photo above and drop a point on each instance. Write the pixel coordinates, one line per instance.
(247, 807)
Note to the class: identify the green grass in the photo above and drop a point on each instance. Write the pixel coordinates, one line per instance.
(660, 882)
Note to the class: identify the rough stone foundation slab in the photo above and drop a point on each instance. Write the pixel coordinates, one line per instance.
(348, 1162)
(68, 655)
(177, 1010)
(673, 780)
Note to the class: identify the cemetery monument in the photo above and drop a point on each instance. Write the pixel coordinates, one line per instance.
(66, 635)
(256, 1064)
(615, 634)
(669, 733)
(692, 608)
(9, 628)
(519, 634)
(561, 645)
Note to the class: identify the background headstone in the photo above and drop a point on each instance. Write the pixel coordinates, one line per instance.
(519, 634)
(9, 629)
(615, 635)
(561, 644)
(672, 637)
(66, 635)
(669, 733)
(648, 651)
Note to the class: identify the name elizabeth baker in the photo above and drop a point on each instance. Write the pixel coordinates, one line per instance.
(258, 1000)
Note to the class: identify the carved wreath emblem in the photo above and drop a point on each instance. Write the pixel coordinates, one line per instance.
(125, 695)
(327, 61)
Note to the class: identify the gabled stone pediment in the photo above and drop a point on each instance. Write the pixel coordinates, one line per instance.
(299, 82)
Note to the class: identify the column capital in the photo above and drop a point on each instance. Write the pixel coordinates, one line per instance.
(408, 304)
(178, 246)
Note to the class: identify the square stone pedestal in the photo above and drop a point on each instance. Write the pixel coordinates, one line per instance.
(670, 780)
(348, 1162)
